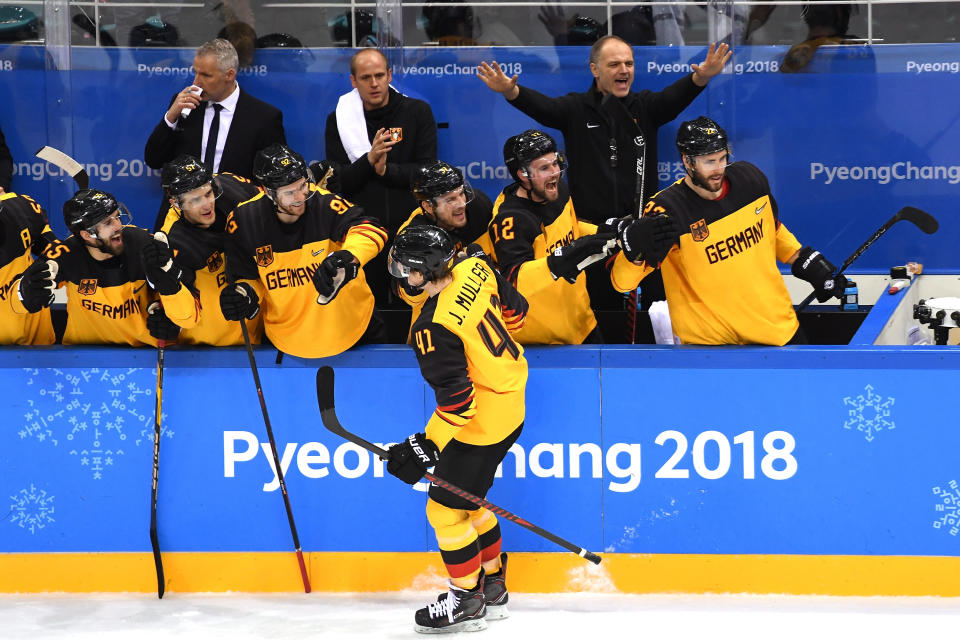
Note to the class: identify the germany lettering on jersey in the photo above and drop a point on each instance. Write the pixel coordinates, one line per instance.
(279, 261)
(722, 281)
(107, 299)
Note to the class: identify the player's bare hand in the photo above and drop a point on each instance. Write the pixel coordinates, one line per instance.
(189, 98)
(494, 77)
(717, 58)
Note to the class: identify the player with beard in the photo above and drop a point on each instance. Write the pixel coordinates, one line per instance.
(196, 228)
(542, 247)
(112, 272)
(301, 250)
(449, 202)
(716, 235)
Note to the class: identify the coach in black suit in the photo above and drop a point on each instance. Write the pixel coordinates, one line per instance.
(226, 125)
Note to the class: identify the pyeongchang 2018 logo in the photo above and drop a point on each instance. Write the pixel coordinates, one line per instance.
(884, 174)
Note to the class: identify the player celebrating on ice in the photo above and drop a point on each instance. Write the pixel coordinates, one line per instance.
(463, 345)
(716, 235)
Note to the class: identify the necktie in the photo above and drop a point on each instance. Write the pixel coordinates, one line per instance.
(211, 151)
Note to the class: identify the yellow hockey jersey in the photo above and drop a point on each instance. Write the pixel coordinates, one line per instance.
(479, 213)
(279, 261)
(524, 233)
(463, 344)
(721, 280)
(107, 299)
(24, 233)
(202, 251)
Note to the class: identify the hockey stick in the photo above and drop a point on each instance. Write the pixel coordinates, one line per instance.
(73, 168)
(154, 540)
(921, 219)
(332, 423)
(640, 144)
(276, 458)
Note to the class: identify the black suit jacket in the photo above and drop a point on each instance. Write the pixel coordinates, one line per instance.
(255, 125)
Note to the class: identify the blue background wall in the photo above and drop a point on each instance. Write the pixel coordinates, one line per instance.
(852, 107)
(873, 468)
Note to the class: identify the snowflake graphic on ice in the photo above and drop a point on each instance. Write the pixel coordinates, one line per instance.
(948, 504)
(32, 509)
(869, 413)
(96, 412)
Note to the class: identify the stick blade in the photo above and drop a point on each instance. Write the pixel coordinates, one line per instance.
(923, 220)
(325, 388)
(73, 168)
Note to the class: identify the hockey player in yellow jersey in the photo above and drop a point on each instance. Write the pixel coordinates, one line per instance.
(112, 273)
(301, 250)
(449, 202)
(717, 236)
(467, 354)
(24, 233)
(196, 229)
(542, 247)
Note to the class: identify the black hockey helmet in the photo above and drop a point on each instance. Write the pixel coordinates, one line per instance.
(183, 174)
(424, 248)
(278, 165)
(87, 208)
(432, 181)
(522, 149)
(700, 137)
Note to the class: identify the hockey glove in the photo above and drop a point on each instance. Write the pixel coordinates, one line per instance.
(338, 269)
(649, 239)
(410, 459)
(159, 325)
(474, 250)
(163, 274)
(811, 266)
(37, 286)
(614, 225)
(569, 260)
(239, 301)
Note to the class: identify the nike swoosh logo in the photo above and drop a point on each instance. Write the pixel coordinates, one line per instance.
(318, 252)
(592, 126)
(761, 207)
(136, 289)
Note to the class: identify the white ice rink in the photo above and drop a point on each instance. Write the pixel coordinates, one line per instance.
(585, 616)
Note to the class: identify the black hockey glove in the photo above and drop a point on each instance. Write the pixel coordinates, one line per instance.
(159, 325)
(37, 285)
(569, 260)
(410, 459)
(649, 239)
(614, 225)
(811, 266)
(474, 250)
(163, 274)
(239, 301)
(338, 269)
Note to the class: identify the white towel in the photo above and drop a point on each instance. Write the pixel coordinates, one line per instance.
(352, 125)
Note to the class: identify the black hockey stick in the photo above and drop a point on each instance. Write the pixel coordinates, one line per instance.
(276, 458)
(72, 168)
(329, 416)
(612, 104)
(921, 219)
(154, 540)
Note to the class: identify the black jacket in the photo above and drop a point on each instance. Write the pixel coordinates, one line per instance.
(600, 190)
(255, 125)
(388, 196)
